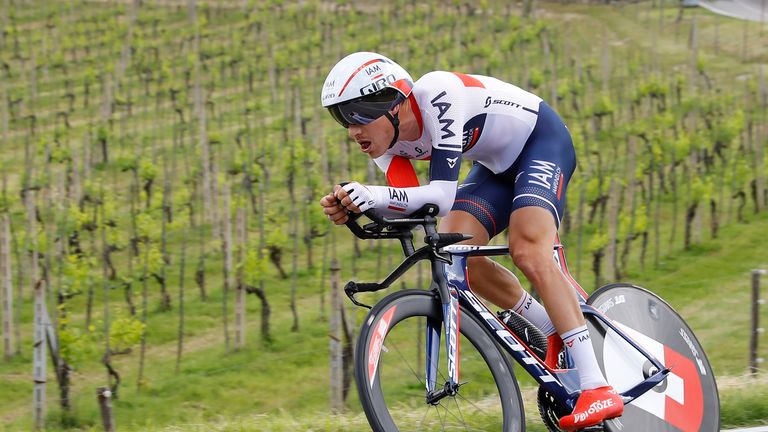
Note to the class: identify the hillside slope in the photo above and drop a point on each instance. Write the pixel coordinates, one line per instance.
(103, 119)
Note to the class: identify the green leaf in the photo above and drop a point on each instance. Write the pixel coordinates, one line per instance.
(598, 241)
(124, 333)
(147, 170)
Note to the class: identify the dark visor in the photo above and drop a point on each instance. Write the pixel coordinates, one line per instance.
(365, 110)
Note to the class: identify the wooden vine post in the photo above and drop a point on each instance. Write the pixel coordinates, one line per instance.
(39, 357)
(336, 342)
(6, 285)
(240, 291)
(754, 336)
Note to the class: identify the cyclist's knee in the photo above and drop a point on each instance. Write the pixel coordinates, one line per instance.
(532, 259)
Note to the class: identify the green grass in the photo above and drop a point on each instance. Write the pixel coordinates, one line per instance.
(289, 378)
(741, 405)
(742, 401)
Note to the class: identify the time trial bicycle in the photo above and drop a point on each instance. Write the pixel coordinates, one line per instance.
(645, 349)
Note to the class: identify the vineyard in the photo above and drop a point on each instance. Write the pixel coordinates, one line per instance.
(162, 163)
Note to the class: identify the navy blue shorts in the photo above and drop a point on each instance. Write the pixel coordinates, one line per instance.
(538, 177)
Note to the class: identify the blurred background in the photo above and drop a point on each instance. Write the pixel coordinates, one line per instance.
(161, 164)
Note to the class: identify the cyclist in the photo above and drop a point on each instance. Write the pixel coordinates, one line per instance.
(523, 159)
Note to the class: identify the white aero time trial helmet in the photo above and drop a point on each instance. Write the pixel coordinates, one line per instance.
(364, 86)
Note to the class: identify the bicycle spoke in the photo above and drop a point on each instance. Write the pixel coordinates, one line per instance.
(442, 422)
(426, 413)
(402, 357)
(458, 408)
(459, 418)
(471, 403)
(448, 412)
(464, 398)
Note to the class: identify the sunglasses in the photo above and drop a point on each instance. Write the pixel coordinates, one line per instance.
(365, 110)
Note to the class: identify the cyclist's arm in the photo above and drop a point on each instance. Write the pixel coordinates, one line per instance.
(444, 117)
(392, 201)
(403, 194)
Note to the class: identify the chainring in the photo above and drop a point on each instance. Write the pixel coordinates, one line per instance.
(550, 410)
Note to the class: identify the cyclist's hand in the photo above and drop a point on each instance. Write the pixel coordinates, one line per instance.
(355, 197)
(333, 208)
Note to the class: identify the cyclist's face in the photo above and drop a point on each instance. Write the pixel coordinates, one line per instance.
(373, 138)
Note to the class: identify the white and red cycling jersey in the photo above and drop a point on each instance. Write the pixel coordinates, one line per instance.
(475, 117)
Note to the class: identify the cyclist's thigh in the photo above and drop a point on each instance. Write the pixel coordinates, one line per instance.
(545, 166)
(459, 221)
(487, 199)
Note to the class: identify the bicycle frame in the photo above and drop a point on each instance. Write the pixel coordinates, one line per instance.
(450, 280)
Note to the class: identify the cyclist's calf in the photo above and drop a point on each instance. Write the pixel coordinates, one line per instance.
(494, 282)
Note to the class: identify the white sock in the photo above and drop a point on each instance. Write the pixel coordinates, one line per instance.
(534, 312)
(579, 345)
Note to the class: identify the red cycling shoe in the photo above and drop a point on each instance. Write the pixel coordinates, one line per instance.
(554, 346)
(592, 407)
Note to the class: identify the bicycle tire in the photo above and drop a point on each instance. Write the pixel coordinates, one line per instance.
(688, 399)
(395, 309)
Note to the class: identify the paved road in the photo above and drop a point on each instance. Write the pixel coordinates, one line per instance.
(753, 10)
(755, 429)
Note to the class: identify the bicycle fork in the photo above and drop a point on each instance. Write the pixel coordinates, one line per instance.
(449, 298)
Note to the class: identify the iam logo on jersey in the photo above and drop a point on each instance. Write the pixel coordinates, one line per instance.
(547, 175)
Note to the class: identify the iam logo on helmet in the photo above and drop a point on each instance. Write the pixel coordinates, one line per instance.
(373, 70)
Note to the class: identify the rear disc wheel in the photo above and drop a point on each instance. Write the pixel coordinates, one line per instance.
(687, 400)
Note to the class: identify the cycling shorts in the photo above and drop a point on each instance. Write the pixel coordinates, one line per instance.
(538, 177)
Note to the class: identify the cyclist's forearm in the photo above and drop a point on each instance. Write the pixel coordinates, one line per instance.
(393, 201)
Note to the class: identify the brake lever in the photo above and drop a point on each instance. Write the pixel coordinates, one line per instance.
(352, 298)
(350, 289)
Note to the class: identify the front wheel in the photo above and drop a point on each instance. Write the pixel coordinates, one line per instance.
(390, 371)
(687, 400)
